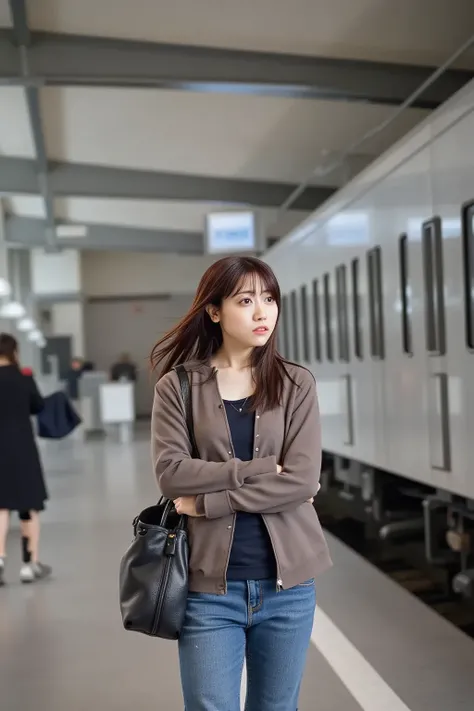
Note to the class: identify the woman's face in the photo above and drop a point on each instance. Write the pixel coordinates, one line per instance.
(249, 317)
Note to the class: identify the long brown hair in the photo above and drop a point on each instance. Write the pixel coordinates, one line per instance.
(8, 347)
(197, 337)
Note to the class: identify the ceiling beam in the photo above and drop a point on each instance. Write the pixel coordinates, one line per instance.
(22, 39)
(70, 60)
(17, 177)
(29, 232)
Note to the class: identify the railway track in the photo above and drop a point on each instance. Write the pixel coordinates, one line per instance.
(404, 563)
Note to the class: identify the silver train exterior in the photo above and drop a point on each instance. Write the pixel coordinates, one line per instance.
(378, 288)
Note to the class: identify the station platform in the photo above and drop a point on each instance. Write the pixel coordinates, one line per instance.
(374, 647)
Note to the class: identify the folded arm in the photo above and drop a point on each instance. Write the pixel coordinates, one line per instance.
(178, 474)
(274, 492)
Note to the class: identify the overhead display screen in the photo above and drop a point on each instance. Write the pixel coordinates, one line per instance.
(229, 232)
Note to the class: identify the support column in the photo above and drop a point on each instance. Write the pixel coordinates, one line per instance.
(20, 279)
(57, 288)
(4, 324)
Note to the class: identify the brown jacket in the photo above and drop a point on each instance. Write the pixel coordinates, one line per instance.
(288, 435)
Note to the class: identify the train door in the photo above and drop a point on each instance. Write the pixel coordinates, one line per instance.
(439, 441)
(377, 348)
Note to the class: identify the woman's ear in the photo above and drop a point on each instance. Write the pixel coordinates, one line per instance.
(213, 312)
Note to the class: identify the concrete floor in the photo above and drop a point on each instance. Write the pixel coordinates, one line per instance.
(62, 645)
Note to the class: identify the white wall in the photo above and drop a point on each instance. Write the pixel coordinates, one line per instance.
(56, 273)
(67, 319)
(130, 273)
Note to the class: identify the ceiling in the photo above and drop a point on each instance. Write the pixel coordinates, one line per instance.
(138, 119)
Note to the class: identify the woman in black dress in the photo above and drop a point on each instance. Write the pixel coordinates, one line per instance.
(22, 486)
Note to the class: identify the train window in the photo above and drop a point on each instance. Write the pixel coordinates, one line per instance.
(304, 315)
(432, 245)
(407, 344)
(294, 326)
(374, 269)
(468, 249)
(328, 316)
(356, 308)
(342, 318)
(317, 321)
(284, 323)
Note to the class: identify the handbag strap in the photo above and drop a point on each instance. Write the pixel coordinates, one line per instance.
(188, 406)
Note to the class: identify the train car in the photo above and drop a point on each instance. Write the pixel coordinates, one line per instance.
(378, 302)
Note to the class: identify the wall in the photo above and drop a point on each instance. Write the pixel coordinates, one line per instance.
(130, 273)
(67, 319)
(57, 285)
(117, 325)
(56, 273)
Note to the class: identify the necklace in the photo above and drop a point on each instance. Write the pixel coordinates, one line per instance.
(238, 409)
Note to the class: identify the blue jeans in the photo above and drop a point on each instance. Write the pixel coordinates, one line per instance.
(270, 629)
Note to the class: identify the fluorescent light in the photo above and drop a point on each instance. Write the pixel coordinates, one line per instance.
(71, 231)
(25, 324)
(35, 335)
(12, 310)
(5, 287)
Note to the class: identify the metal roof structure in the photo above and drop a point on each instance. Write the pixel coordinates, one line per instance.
(133, 121)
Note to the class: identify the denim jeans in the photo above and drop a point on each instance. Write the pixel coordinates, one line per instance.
(270, 629)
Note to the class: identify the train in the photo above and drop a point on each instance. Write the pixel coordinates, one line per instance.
(378, 302)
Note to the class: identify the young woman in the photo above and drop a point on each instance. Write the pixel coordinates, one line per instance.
(255, 540)
(22, 486)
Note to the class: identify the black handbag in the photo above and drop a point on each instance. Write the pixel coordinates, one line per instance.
(154, 570)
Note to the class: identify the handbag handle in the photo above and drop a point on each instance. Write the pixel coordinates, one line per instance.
(166, 511)
(188, 407)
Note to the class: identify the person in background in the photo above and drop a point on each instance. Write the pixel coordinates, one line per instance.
(124, 369)
(72, 378)
(22, 486)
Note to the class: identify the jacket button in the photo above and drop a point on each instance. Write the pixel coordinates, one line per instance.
(258, 417)
(220, 407)
(257, 435)
(229, 527)
(229, 452)
(256, 449)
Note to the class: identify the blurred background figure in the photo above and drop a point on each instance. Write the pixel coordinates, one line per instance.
(124, 369)
(72, 378)
(22, 486)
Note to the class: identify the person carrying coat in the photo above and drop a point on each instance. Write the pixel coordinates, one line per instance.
(22, 486)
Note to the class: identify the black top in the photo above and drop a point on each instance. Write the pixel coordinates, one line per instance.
(22, 486)
(124, 370)
(251, 556)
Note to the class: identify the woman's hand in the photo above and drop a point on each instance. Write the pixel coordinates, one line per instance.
(186, 505)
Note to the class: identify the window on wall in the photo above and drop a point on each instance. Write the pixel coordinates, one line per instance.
(432, 245)
(305, 320)
(468, 263)
(294, 326)
(374, 271)
(342, 315)
(317, 321)
(328, 316)
(356, 308)
(405, 305)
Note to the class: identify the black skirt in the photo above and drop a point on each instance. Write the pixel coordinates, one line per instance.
(22, 485)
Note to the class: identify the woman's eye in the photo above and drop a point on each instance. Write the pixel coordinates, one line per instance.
(245, 301)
